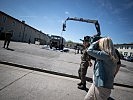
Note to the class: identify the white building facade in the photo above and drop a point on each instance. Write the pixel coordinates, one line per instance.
(125, 49)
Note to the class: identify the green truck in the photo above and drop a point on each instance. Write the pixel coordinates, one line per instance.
(57, 42)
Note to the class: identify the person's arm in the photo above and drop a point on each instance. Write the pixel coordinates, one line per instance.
(89, 60)
(118, 63)
(94, 52)
(117, 69)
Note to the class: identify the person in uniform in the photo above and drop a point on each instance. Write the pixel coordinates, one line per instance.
(8, 36)
(85, 62)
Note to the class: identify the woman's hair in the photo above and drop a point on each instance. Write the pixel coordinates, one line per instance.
(106, 45)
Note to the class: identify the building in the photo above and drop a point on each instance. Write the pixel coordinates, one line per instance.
(125, 49)
(70, 44)
(22, 32)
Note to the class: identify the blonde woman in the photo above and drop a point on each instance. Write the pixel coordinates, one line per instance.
(104, 69)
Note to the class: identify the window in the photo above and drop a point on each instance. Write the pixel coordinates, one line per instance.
(131, 54)
(125, 53)
(121, 47)
(131, 47)
(126, 47)
(4, 19)
(13, 23)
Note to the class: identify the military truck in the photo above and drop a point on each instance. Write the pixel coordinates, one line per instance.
(57, 42)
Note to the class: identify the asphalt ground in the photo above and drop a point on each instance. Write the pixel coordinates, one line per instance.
(41, 58)
(23, 84)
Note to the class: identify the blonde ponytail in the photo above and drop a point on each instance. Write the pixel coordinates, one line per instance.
(106, 45)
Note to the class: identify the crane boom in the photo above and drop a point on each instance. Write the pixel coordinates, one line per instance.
(84, 20)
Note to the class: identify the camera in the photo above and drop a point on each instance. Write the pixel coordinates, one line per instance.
(95, 38)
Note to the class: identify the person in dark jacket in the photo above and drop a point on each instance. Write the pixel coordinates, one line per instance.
(8, 36)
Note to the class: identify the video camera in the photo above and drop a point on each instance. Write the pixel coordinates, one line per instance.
(95, 38)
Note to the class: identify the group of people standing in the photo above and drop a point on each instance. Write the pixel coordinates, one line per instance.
(106, 65)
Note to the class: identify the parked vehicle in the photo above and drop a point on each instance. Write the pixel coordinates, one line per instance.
(57, 42)
(129, 58)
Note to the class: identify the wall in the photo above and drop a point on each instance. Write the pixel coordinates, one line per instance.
(22, 32)
(125, 49)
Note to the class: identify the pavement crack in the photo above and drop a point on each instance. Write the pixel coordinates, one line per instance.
(16, 80)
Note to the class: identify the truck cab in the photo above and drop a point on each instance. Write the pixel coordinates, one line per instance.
(57, 42)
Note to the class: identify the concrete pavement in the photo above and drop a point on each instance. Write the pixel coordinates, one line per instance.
(40, 58)
(22, 84)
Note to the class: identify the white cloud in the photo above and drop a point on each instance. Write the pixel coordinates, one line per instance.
(28, 16)
(67, 13)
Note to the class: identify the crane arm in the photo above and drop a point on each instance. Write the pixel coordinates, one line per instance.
(84, 20)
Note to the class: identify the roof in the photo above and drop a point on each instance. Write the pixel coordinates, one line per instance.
(125, 44)
(22, 22)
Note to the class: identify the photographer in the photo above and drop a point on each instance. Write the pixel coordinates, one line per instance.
(104, 69)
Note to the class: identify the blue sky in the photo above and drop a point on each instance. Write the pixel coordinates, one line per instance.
(114, 16)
